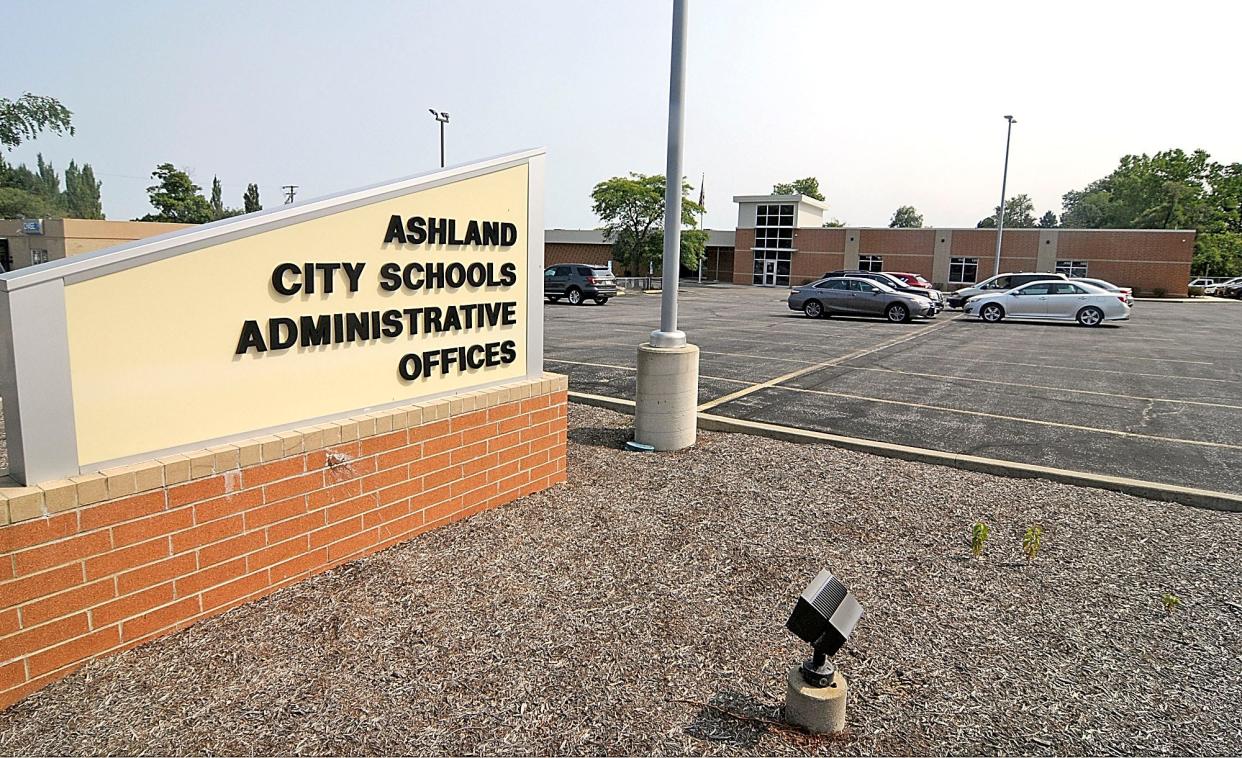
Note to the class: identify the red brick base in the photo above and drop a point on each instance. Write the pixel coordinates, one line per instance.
(101, 578)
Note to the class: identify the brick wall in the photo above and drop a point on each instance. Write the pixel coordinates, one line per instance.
(104, 562)
(574, 252)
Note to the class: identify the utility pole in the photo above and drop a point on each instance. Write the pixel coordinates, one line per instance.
(702, 210)
(1000, 219)
(443, 119)
(666, 398)
(290, 190)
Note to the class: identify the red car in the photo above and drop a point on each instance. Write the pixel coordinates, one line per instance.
(914, 280)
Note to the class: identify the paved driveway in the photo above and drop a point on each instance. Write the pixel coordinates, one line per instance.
(1158, 398)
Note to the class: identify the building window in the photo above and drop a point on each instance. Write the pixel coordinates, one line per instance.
(774, 227)
(1072, 269)
(873, 263)
(37, 257)
(963, 270)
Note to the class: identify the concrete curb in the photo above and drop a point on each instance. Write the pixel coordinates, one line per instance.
(1210, 499)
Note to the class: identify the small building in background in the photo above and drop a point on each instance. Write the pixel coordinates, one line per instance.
(30, 242)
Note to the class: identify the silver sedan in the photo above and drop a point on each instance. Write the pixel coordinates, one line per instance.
(855, 296)
(1055, 300)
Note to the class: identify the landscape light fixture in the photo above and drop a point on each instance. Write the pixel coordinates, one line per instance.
(824, 616)
(443, 119)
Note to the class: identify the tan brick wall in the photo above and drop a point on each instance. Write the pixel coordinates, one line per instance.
(100, 564)
(916, 242)
(574, 252)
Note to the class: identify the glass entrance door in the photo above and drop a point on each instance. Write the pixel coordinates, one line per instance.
(769, 273)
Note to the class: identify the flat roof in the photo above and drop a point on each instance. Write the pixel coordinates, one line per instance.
(715, 237)
(795, 198)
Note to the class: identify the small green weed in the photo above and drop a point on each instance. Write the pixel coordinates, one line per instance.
(1032, 541)
(1171, 602)
(978, 538)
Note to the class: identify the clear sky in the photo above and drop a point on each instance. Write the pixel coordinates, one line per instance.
(886, 103)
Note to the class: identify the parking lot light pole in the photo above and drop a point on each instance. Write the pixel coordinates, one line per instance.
(1000, 219)
(665, 415)
(443, 119)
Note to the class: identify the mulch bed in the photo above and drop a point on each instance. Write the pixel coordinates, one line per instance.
(640, 609)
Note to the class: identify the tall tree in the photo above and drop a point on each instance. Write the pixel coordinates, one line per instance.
(176, 197)
(632, 209)
(906, 217)
(49, 180)
(1172, 189)
(81, 196)
(1047, 221)
(217, 199)
(250, 201)
(808, 186)
(1019, 214)
(26, 117)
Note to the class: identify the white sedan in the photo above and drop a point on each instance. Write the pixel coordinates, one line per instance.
(1055, 300)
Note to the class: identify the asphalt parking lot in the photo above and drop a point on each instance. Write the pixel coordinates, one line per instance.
(1158, 398)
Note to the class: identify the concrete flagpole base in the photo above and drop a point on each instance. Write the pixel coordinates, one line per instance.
(667, 396)
(819, 710)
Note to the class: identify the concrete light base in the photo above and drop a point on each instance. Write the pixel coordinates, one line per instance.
(819, 710)
(667, 396)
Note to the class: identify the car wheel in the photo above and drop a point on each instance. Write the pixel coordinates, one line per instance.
(1091, 316)
(991, 313)
(897, 313)
(574, 296)
(813, 309)
(601, 300)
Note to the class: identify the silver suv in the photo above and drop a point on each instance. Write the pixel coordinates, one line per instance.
(998, 283)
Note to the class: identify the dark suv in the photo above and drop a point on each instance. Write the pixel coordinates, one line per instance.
(933, 295)
(578, 282)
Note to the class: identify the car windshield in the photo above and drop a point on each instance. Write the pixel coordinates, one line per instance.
(1100, 283)
(882, 286)
(601, 272)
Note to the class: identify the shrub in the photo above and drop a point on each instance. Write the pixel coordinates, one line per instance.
(1159, 292)
(1195, 291)
(978, 537)
(1171, 602)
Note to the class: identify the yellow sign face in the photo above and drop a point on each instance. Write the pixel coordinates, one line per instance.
(406, 297)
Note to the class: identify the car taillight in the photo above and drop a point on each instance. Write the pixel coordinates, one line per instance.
(1122, 298)
(590, 280)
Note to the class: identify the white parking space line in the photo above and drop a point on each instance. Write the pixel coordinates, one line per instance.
(1021, 419)
(956, 378)
(593, 343)
(1105, 356)
(831, 362)
(631, 368)
(1099, 370)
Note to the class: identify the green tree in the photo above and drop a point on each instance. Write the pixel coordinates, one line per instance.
(26, 117)
(81, 196)
(49, 180)
(217, 199)
(1019, 214)
(1172, 189)
(906, 217)
(833, 223)
(632, 210)
(176, 197)
(1048, 220)
(18, 203)
(808, 186)
(250, 201)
